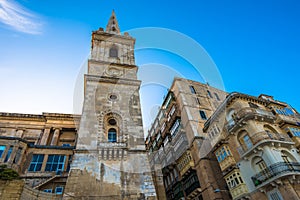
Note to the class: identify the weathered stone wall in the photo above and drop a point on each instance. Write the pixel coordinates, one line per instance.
(16, 189)
(11, 189)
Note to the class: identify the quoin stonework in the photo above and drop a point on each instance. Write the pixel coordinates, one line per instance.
(204, 143)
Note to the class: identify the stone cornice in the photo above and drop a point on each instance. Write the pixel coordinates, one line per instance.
(101, 35)
(60, 116)
(123, 81)
(228, 101)
(38, 118)
(20, 116)
(112, 64)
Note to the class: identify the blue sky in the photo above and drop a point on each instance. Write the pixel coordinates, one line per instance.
(44, 44)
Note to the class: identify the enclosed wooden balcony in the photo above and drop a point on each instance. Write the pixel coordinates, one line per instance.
(239, 191)
(227, 162)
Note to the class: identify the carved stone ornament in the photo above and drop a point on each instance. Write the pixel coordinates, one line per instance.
(113, 71)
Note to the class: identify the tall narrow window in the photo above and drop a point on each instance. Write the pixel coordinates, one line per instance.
(193, 91)
(2, 149)
(59, 190)
(217, 97)
(113, 52)
(18, 155)
(209, 94)
(36, 163)
(112, 135)
(8, 154)
(197, 100)
(274, 195)
(261, 165)
(247, 141)
(175, 127)
(203, 115)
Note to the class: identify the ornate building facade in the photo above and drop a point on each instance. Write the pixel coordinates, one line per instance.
(258, 148)
(203, 143)
(206, 144)
(40, 149)
(175, 143)
(105, 144)
(110, 160)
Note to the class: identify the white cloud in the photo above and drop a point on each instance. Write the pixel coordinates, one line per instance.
(17, 17)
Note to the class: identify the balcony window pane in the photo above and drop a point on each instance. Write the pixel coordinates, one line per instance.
(8, 153)
(36, 163)
(55, 163)
(2, 149)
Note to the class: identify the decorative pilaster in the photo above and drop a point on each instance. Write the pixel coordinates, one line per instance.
(55, 136)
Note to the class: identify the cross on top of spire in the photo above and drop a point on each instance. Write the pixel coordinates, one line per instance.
(112, 25)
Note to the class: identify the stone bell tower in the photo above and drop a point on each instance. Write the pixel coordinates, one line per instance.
(110, 160)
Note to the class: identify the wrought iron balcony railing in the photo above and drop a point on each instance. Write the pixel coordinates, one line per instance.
(276, 170)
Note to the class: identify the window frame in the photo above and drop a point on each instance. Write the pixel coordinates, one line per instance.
(192, 89)
(113, 52)
(47, 190)
(209, 94)
(59, 187)
(112, 135)
(55, 165)
(2, 150)
(203, 115)
(217, 96)
(38, 162)
(8, 154)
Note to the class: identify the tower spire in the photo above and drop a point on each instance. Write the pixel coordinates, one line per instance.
(112, 25)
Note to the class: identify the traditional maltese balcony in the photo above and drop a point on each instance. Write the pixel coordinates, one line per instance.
(236, 185)
(185, 163)
(224, 157)
(276, 171)
(239, 191)
(263, 138)
(227, 162)
(245, 114)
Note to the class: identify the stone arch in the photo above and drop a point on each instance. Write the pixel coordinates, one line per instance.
(268, 128)
(244, 139)
(258, 164)
(114, 51)
(229, 115)
(104, 117)
(287, 156)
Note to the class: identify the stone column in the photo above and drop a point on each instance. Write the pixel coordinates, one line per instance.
(19, 133)
(45, 137)
(55, 136)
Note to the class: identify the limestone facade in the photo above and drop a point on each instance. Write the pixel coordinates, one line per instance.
(175, 142)
(257, 147)
(39, 148)
(110, 160)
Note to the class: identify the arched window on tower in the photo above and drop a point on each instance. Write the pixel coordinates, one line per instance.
(113, 52)
(112, 135)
